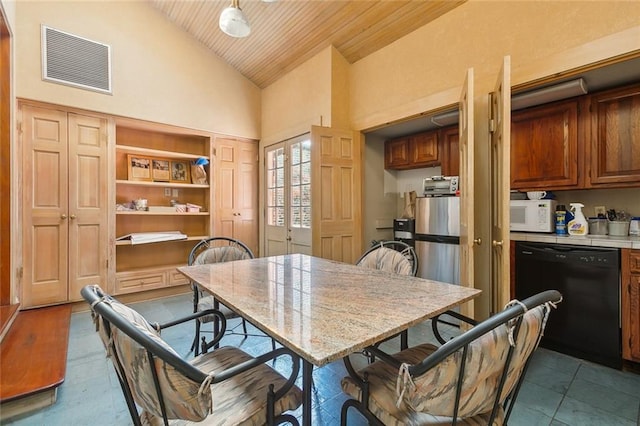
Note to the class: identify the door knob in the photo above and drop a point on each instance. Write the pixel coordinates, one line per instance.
(63, 216)
(73, 216)
(497, 243)
(477, 241)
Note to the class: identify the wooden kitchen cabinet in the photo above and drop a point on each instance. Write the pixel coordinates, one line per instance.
(630, 295)
(614, 156)
(236, 190)
(544, 147)
(410, 152)
(450, 150)
(65, 202)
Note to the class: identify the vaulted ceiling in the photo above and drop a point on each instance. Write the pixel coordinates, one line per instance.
(286, 33)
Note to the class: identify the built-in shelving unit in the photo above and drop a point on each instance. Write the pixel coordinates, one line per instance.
(140, 267)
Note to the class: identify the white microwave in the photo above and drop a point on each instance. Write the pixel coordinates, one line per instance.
(532, 215)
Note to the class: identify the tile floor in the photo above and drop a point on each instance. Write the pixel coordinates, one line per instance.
(559, 390)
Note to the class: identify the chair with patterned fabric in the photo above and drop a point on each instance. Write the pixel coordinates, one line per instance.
(214, 250)
(225, 386)
(391, 256)
(472, 379)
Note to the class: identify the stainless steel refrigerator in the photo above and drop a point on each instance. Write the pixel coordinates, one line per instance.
(437, 238)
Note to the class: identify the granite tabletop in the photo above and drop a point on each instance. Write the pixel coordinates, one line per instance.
(321, 309)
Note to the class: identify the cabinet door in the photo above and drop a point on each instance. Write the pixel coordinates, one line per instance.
(424, 149)
(450, 152)
(396, 153)
(614, 157)
(45, 206)
(544, 147)
(630, 294)
(88, 210)
(236, 183)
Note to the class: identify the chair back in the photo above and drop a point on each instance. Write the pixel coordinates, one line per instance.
(150, 371)
(482, 369)
(218, 249)
(391, 256)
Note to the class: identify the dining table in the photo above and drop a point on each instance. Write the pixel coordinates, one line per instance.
(324, 310)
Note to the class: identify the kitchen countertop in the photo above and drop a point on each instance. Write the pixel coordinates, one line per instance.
(587, 240)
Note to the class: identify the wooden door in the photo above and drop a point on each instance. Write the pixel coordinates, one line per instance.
(337, 194)
(236, 193)
(630, 304)
(246, 228)
(88, 209)
(45, 206)
(5, 163)
(467, 189)
(500, 171)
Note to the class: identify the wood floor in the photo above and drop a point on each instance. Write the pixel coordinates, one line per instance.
(33, 357)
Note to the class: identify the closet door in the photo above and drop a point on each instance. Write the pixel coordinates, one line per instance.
(45, 206)
(467, 189)
(236, 190)
(87, 205)
(65, 211)
(500, 187)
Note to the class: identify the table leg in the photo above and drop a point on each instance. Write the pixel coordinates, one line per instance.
(307, 383)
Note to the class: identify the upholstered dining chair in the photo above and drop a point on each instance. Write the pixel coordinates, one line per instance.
(222, 387)
(391, 256)
(472, 379)
(214, 250)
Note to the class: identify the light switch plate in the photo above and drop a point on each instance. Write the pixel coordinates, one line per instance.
(175, 192)
(167, 192)
(600, 210)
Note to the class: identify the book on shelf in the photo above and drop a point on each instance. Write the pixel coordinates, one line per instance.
(152, 237)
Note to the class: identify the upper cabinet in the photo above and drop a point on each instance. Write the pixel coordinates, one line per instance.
(544, 146)
(410, 152)
(450, 151)
(592, 141)
(614, 158)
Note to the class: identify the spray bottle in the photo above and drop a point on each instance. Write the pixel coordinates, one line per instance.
(578, 225)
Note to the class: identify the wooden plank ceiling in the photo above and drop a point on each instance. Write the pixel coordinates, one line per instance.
(286, 33)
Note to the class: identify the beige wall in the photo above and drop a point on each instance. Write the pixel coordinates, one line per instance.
(392, 83)
(298, 100)
(159, 73)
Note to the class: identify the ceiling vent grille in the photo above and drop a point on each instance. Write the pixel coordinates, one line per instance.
(75, 61)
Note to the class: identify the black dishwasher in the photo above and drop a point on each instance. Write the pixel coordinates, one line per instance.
(587, 322)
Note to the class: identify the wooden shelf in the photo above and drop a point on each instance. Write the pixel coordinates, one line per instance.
(155, 152)
(192, 238)
(159, 184)
(143, 213)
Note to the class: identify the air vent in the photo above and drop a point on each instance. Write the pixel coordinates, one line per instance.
(75, 61)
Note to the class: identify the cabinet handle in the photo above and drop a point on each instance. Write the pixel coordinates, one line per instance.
(63, 216)
(477, 241)
(497, 243)
(288, 238)
(73, 216)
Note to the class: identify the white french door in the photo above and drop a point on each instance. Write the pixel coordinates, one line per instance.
(288, 197)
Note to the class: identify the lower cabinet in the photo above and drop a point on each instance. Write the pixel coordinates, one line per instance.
(630, 295)
(153, 278)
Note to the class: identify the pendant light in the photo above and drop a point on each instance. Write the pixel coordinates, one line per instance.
(233, 22)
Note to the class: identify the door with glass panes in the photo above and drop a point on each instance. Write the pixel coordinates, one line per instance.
(288, 197)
